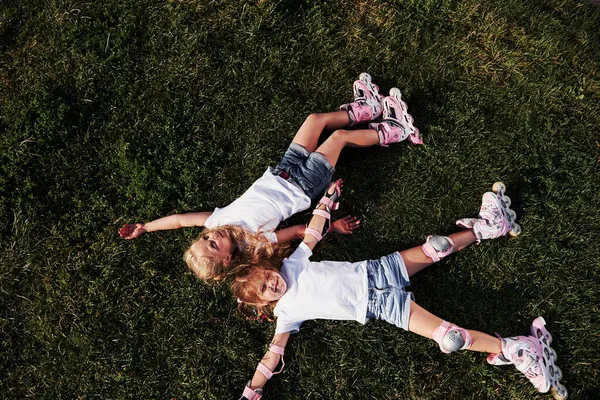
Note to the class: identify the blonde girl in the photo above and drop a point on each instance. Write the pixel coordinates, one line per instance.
(300, 178)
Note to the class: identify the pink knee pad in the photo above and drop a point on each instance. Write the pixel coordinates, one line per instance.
(437, 247)
(451, 337)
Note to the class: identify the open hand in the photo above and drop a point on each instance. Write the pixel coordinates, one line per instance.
(345, 225)
(131, 231)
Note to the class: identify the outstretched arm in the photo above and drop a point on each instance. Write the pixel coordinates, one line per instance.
(175, 221)
(343, 226)
(317, 223)
(267, 365)
(291, 233)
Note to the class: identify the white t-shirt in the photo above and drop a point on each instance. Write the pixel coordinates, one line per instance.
(263, 206)
(321, 290)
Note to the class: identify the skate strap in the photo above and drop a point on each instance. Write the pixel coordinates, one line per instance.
(390, 131)
(263, 369)
(251, 394)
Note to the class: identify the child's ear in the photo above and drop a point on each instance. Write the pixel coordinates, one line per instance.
(227, 260)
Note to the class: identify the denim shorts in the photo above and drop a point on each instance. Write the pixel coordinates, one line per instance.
(310, 171)
(388, 299)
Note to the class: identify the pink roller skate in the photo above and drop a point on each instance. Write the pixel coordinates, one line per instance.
(533, 356)
(367, 101)
(397, 124)
(495, 216)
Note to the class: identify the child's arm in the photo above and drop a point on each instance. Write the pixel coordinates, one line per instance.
(270, 360)
(175, 221)
(343, 226)
(291, 233)
(317, 223)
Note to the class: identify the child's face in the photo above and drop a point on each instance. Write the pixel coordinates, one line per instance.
(215, 244)
(273, 286)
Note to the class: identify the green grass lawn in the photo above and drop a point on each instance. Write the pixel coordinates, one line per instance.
(119, 111)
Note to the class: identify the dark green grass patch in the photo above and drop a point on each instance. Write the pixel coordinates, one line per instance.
(122, 111)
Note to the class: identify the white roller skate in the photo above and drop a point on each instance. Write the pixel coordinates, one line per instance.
(496, 218)
(397, 124)
(367, 101)
(533, 356)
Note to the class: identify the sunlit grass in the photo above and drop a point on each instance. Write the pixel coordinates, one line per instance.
(122, 111)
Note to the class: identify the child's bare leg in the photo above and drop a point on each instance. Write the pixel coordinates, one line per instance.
(415, 258)
(339, 139)
(310, 131)
(424, 323)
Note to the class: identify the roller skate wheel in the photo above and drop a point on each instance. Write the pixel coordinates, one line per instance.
(515, 231)
(395, 92)
(365, 77)
(560, 392)
(558, 375)
(507, 200)
(498, 186)
(554, 356)
(513, 214)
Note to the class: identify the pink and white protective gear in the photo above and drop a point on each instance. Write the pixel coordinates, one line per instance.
(250, 394)
(329, 199)
(437, 247)
(367, 101)
(495, 216)
(397, 124)
(263, 369)
(451, 337)
(256, 394)
(533, 356)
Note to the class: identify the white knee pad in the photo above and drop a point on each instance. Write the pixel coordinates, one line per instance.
(437, 247)
(451, 337)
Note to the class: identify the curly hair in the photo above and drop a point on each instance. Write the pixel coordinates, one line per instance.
(247, 249)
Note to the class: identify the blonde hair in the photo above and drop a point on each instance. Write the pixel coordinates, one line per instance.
(247, 248)
(247, 286)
